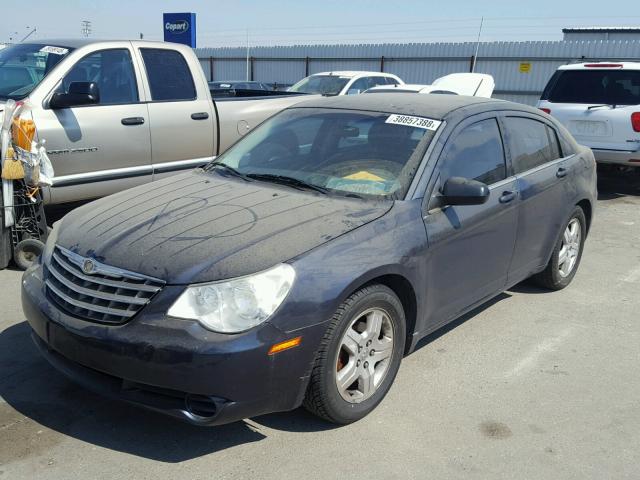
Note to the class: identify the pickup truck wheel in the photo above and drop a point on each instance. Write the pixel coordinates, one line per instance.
(565, 259)
(358, 357)
(27, 252)
(5, 240)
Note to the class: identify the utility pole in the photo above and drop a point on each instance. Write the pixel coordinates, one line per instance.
(86, 28)
(247, 54)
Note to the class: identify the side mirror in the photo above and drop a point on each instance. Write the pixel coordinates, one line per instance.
(80, 93)
(353, 91)
(463, 191)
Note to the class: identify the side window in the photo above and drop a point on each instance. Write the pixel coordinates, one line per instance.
(531, 143)
(169, 75)
(375, 81)
(361, 84)
(476, 153)
(567, 147)
(112, 71)
(391, 81)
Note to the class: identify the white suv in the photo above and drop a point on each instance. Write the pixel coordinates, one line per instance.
(599, 103)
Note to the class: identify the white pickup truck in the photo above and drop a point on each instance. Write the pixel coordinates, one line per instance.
(115, 114)
(599, 103)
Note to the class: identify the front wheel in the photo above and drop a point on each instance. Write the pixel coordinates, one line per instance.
(358, 357)
(566, 255)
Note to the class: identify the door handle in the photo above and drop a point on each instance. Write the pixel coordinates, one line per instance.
(199, 116)
(132, 121)
(507, 197)
(562, 172)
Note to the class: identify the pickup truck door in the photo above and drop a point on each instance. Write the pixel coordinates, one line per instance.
(180, 109)
(106, 145)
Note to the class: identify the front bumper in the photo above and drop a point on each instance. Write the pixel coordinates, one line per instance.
(173, 366)
(630, 158)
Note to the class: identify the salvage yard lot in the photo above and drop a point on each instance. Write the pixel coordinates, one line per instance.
(532, 385)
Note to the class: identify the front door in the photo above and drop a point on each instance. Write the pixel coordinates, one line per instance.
(470, 246)
(105, 142)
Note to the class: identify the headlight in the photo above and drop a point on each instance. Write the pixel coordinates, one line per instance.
(236, 305)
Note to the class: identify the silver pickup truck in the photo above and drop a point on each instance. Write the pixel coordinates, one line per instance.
(116, 114)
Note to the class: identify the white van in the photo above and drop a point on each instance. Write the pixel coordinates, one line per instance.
(599, 103)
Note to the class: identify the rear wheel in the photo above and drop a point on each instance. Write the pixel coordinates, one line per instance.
(566, 255)
(359, 356)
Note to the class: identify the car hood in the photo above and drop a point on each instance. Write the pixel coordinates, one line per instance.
(199, 227)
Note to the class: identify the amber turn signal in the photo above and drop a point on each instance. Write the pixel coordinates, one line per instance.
(286, 345)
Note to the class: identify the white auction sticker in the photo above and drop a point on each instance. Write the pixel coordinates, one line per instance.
(409, 121)
(55, 50)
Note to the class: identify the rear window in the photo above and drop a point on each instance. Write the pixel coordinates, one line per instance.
(169, 75)
(616, 87)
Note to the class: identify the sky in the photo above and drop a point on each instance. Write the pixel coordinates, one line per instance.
(288, 22)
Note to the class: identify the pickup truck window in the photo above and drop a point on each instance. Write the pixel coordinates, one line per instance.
(23, 66)
(112, 70)
(531, 143)
(476, 152)
(310, 146)
(169, 75)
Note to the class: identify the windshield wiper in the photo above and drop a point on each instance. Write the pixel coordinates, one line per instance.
(290, 181)
(228, 169)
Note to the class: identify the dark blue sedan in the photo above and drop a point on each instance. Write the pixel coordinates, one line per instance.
(304, 263)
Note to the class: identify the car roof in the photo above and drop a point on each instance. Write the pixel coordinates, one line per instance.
(436, 107)
(355, 73)
(612, 65)
(80, 42)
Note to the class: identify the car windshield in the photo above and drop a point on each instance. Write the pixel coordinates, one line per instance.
(320, 84)
(343, 152)
(610, 87)
(23, 66)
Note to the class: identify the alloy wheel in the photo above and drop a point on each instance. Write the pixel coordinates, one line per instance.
(570, 248)
(364, 355)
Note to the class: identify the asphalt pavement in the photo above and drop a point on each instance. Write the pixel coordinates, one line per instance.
(532, 385)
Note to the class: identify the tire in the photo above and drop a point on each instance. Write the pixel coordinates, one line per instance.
(357, 317)
(27, 252)
(5, 240)
(555, 275)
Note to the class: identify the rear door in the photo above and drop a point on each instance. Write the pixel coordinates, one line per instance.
(470, 247)
(542, 174)
(107, 143)
(595, 104)
(180, 110)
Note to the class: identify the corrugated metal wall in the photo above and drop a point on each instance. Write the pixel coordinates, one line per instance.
(521, 69)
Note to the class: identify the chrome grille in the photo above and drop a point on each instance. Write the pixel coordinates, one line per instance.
(88, 289)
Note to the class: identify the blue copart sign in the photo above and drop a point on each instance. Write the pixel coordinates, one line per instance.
(180, 28)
